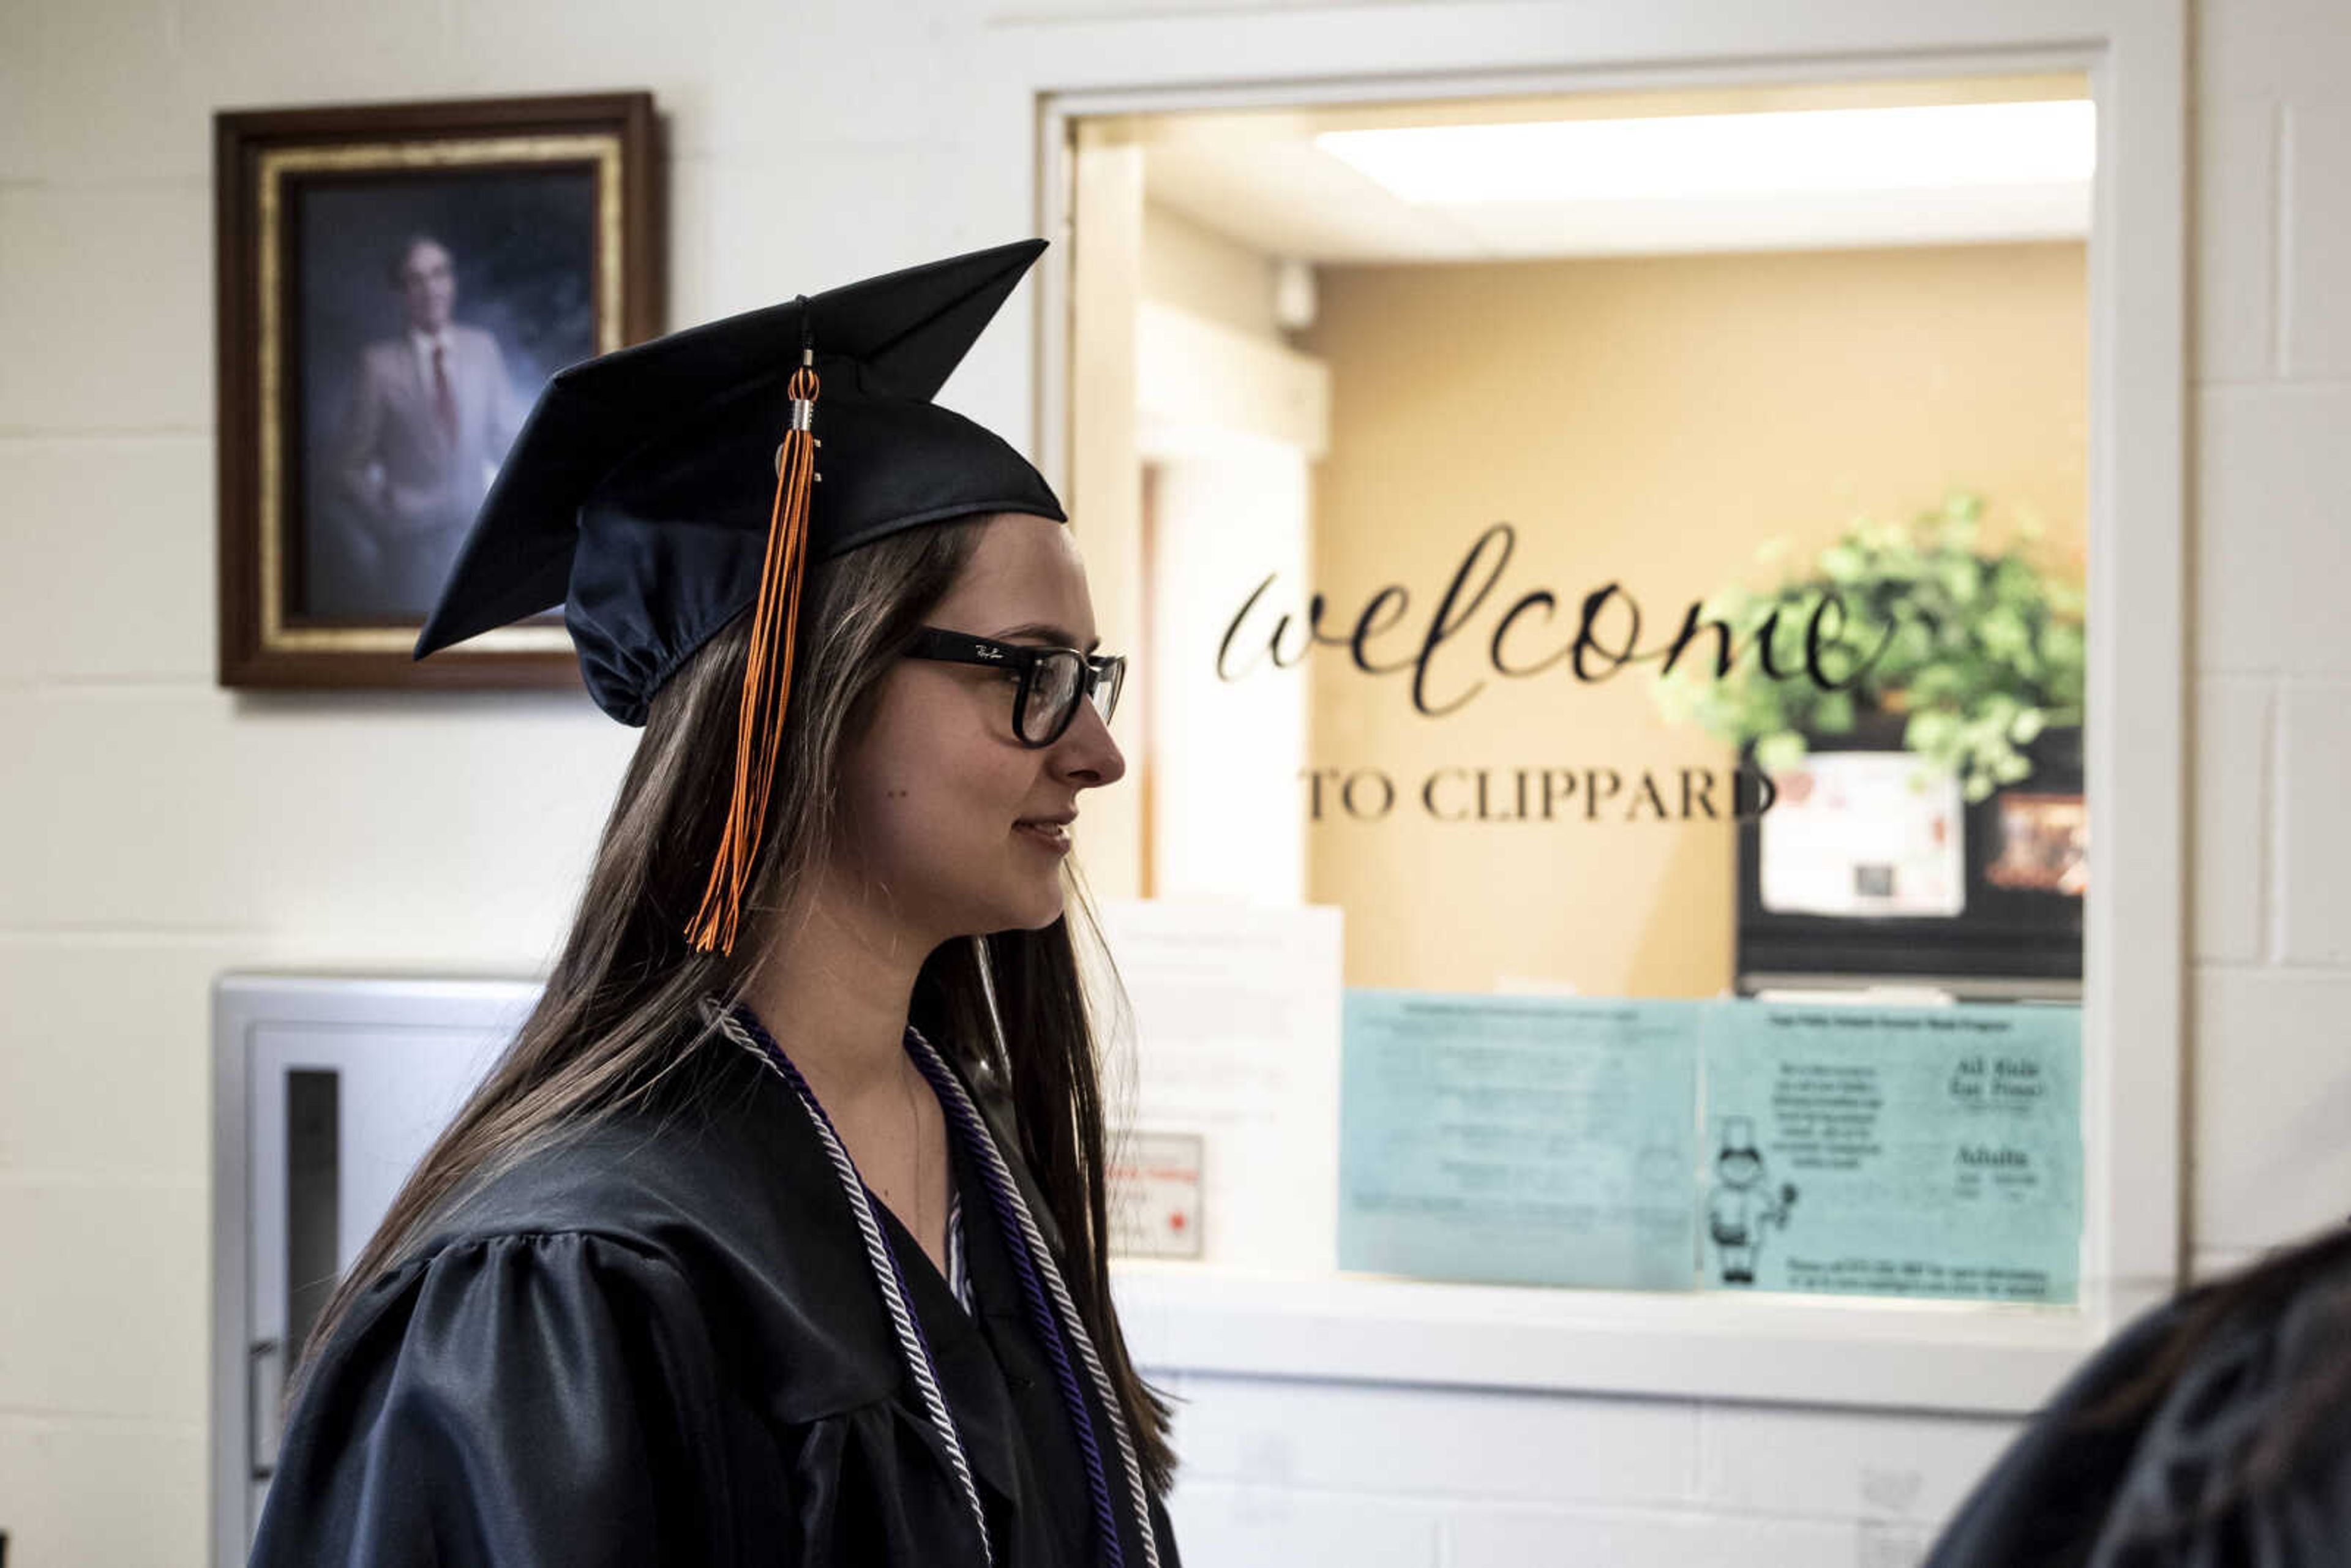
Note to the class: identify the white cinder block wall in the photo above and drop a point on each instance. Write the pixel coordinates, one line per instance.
(155, 830)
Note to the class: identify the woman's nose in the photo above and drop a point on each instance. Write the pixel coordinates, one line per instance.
(1088, 755)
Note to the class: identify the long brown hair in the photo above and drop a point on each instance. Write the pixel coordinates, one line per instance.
(606, 1029)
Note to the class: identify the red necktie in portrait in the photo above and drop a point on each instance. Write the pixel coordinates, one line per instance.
(445, 401)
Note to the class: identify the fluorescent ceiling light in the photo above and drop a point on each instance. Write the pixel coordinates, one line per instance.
(1937, 147)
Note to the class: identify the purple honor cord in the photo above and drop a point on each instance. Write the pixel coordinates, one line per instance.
(1022, 1241)
(1042, 1317)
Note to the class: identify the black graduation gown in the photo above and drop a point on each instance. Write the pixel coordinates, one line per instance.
(658, 1341)
(2162, 1491)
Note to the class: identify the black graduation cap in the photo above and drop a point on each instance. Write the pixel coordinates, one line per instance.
(658, 492)
(641, 490)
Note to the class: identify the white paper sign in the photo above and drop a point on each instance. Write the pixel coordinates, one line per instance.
(1154, 1196)
(1863, 834)
(1236, 1015)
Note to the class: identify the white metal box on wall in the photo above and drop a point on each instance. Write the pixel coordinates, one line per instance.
(325, 1093)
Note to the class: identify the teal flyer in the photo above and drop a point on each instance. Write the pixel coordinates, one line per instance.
(1519, 1140)
(1927, 1151)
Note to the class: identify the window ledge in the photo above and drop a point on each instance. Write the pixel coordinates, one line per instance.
(1866, 1352)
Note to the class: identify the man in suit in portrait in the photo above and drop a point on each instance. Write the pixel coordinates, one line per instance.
(431, 415)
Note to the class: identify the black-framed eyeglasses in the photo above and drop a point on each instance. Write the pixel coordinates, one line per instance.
(1053, 681)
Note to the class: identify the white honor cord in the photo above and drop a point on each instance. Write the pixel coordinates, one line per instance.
(1071, 1324)
(1053, 1274)
(886, 1275)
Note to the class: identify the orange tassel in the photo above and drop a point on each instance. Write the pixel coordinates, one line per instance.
(767, 675)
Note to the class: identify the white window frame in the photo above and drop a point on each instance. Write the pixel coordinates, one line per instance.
(1041, 76)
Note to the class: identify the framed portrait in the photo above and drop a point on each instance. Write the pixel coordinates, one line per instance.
(396, 282)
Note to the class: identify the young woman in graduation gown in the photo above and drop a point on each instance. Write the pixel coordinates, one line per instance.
(778, 1234)
(2215, 1432)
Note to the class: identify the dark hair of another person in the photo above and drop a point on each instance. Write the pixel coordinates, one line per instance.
(2311, 1276)
(606, 1030)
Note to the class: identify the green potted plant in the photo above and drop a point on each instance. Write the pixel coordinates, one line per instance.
(1981, 653)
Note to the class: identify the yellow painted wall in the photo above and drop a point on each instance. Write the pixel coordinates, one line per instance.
(1651, 421)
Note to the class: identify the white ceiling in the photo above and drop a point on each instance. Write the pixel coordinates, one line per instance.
(1259, 178)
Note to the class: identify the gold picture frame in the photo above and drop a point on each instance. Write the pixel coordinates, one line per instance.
(350, 461)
